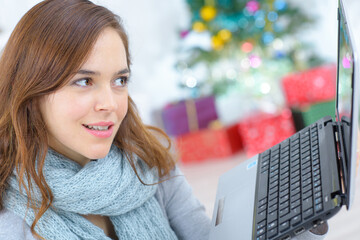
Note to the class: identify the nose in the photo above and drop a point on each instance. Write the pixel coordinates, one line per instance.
(106, 100)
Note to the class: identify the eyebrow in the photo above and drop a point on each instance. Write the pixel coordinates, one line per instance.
(89, 72)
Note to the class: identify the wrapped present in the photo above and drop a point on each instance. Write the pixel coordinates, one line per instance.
(309, 87)
(209, 144)
(263, 130)
(189, 115)
(306, 115)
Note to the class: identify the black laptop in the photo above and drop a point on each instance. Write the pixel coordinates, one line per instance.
(307, 178)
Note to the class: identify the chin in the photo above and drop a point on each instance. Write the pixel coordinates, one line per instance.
(98, 152)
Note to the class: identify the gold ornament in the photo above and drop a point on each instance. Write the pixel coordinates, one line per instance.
(199, 26)
(208, 13)
(217, 43)
(225, 35)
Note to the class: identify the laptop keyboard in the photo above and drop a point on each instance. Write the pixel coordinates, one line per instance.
(289, 184)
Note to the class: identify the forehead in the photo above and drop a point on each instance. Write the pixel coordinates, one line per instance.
(108, 51)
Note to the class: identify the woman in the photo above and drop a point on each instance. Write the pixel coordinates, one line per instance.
(63, 80)
(76, 160)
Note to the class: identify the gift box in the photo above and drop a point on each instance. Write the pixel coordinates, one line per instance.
(189, 115)
(261, 131)
(209, 144)
(311, 86)
(306, 115)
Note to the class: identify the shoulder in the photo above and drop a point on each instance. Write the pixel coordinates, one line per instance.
(173, 184)
(12, 227)
(185, 213)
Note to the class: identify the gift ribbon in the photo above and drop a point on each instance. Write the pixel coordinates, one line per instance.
(191, 115)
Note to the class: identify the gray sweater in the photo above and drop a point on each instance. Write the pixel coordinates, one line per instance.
(184, 212)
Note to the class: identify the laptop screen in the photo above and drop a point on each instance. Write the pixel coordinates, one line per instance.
(346, 101)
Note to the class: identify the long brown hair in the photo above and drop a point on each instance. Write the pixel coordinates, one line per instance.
(49, 44)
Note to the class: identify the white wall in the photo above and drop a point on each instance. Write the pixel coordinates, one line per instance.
(153, 27)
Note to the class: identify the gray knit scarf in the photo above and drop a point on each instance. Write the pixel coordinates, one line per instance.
(107, 187)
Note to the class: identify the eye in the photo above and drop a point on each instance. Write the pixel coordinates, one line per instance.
(83, 82)
(121, 81)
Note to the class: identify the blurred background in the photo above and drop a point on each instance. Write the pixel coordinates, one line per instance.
(226, 79)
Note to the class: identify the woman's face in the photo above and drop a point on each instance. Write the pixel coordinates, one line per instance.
(83, 117)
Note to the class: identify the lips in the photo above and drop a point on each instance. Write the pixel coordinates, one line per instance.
(100, 129)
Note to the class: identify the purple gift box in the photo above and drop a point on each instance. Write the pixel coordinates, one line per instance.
(189, 115)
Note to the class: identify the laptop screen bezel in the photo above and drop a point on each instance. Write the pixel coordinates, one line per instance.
(351, 157)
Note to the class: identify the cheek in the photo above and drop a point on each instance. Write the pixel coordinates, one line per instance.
(122, 107)
(61, 108)
(73, 107)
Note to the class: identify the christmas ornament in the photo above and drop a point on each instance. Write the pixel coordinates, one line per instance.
(208, 13)
(252, 6)
(280, 5)
(224, 35)
(199, 26)
(217, 43)
(247, 47)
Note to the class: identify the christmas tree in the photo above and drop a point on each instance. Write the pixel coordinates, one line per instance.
(243, 47)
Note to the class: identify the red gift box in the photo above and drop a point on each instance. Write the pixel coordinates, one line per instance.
(309, 87)
(209, 144)
(263, 130)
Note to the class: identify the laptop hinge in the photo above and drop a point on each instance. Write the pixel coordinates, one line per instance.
(340, 157)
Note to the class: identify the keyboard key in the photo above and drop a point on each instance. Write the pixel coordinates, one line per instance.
(284, 177)
(317, 194)
(263, 185)
(273, 202)
(295, 204)
(315, 168)
(273, 208)
(294, 185)
(263, 201)
(307, 188)
(272, 233)
(284, 192)
(272, 216)
(306, 166)
(284, 205)
(295, 173)
(305, 147)
(261, 225)
(272, 196)
(261, 237)
(284, 198)
(295, 211)
(261, 216)
(260, 231)
(294, 196)
(295, 220)
(306, 171)
(307, 203)
(318, 200)
(295, 190)
(285, 169)
(317, 189)
(272, 225)
(274, 184)
(308, 213)
(318, 207)
(306, 182)
(284, 226)
(307, 194)
(306, 175)
(262, 207)
(284, 211)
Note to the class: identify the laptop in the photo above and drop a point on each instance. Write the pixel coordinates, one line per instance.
(304, 180)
